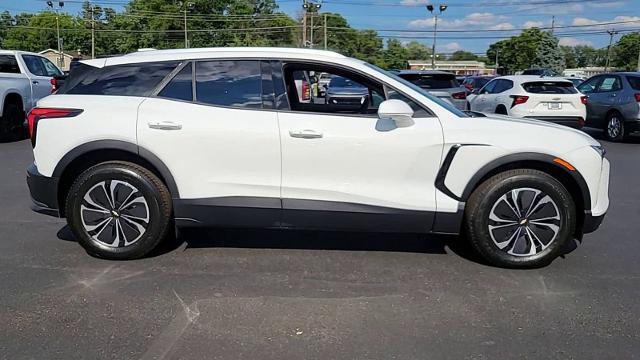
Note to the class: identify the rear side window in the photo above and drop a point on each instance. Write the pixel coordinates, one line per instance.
(181, 86)
(502, 85)
(125, 80)
(549, 87)
(634, 81)
(229, 83)
(9, 64)
(432, 81)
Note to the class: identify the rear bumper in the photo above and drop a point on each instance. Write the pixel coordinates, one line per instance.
(44, 192)
(591, 222)
(575, 122)
(632, 125)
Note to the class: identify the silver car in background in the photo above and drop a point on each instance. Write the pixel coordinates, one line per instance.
(613, 103)
(438, 83)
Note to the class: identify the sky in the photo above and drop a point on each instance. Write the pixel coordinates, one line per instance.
(470, 25)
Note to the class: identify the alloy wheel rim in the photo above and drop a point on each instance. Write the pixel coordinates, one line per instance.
(524, 222)
(613, 128)
(114, 213)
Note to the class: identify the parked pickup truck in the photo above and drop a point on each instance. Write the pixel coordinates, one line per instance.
(25, 78)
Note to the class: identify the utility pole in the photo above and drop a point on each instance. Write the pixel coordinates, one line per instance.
(442, 8)
(93, 34)
(311, 8)
(553, 24)
(60, 5)
(325, 38)
(311, 36)
(638, 59)
(497, 66)
(186, 6)
(606, 64)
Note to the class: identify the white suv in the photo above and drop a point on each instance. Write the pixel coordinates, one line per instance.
(219, 137)
(530, 96)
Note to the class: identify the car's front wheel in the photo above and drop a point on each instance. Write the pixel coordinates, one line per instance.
(520, 218)
(118, 210)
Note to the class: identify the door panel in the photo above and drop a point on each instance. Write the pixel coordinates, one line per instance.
(358, 160)
(213, 151)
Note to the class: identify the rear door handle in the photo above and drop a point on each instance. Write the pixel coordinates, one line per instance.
(164, 125)
(305, 134)
(35, 82)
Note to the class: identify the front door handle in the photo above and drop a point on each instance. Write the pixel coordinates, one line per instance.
(35, 82)
(164, 125)
(305, 134)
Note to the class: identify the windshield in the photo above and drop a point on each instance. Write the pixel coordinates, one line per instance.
(339, 81)
(445, 104)
(432, 81)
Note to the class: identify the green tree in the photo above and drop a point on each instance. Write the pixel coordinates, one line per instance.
(417, 51)
(569, 56)
(462, 55)
(532, 46)
(549, 55)
(395, 55)
(625, 52)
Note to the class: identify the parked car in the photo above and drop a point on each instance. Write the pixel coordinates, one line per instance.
(218, 137)
(539, 72)
(343, 92)
(24, 78)
(476, 82)
(438, 83)
(526, 96)
(614, 103)
(575, 80)
(323, 83)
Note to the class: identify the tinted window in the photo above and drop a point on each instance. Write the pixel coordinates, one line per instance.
(342, 82)
(502, 85)
(267, 85)
(432, 81)
(634, 81)
(40, 66)
(180, 87)
(480, 82)
(590, 85)
(229, 83)
(549, 87)
(488, 89)
(125, 80)
(278, 86)
(9, 64)
(610, 83)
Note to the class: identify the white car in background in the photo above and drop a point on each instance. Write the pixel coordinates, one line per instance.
(551, 99)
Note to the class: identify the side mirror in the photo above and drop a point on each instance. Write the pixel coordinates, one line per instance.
(398, 111)
(475, 91)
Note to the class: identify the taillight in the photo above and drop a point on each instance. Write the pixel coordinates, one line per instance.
(584, 100)
(306, 91)
(637, 96)
(518, 99)
(54, 85)
(36, 114)
(459, 95)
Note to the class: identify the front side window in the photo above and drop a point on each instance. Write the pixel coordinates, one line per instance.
(235, 83)
(9, 64)
(124, 80)
(488, 89)
(590, 85)
(502, 85)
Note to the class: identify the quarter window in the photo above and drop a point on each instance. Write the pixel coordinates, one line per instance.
(610, 83)
(9, 64)
(125, 80)
(181, 86)
(229, 83)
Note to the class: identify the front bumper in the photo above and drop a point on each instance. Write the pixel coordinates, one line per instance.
(44, 192)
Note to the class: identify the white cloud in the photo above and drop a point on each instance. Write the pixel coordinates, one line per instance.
(606, 4)
(570, 41)
(531, 24)
(622, 21)
(474, 19)
(415, 2)
(451, 47)
(502, 26)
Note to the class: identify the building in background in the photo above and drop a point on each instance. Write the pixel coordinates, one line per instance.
(67, 57)
(458, 67)
(585, 72)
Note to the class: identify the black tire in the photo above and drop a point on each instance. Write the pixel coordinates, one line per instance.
(11, 122)
(614, 129)
(128, 181)
(501, 110)
(492, 197)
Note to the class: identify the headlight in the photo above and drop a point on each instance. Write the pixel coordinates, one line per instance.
(599, 149)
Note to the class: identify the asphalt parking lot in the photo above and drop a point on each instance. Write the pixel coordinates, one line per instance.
(258, 294)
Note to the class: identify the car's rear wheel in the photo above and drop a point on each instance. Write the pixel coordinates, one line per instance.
(501, 110)
(520, 219)
(614, 128)
(118, 210)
